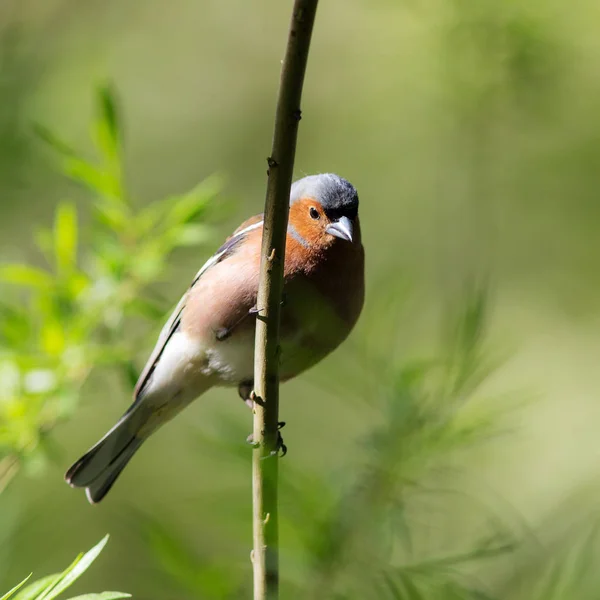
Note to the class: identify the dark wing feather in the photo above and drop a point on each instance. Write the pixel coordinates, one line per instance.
(169, 329)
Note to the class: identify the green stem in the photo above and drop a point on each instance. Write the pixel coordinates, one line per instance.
(265, 555)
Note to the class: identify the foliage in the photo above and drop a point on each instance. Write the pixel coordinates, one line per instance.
(356, 540)
(59, 322)
(360, 534)
(52, 586)
(470, 130)
(363, 540)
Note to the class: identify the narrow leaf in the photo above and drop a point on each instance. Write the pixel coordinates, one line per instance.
(102, 596)
(390, 585)
(187, 207)
(101, 182)
(108, 134)
(412, 591)
(181, 564)
(52, 337)
(190, 235)
(111, 215)
(26, 276)
(73, 572)
(33, 590)
(17, 587)
(15, 324)
(45, 243)
(65, 237)
(52, 140)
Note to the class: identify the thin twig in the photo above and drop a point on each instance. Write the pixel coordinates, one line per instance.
(265, 556)
(8, 469)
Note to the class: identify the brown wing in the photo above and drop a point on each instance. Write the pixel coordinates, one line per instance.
(247, 223)
(174, 321)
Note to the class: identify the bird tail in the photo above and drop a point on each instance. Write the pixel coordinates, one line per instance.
(98, 469)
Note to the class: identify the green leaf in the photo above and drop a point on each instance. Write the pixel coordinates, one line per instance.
(26, 276)
(52, 337)
(465, 332)
(17, 587)
(189, 206)
(74, 571)
(65, 237)
(99, 181)
(107, 126)
(402, 588)
(455, 560)
(52, 140)
(15, 325)
(76, 284)
(44, 241)
(392, 588)
(102, 596)
(33, 590)
(190, 235)
(149, 217)
(412, 591)
(111, 215)
(182, 565)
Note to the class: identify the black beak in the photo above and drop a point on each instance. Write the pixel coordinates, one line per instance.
(342, 229)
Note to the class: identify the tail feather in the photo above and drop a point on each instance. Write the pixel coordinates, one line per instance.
(98, 469)
(97, 489)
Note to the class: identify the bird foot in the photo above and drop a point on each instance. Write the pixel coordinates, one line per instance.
(279, 446)
(255, 310)
(246, 392)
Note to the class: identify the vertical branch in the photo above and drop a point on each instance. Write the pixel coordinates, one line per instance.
(266, 358)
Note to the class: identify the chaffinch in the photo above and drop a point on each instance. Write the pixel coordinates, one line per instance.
(209, 338)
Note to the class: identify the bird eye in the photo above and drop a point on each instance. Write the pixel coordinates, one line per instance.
(314, 213)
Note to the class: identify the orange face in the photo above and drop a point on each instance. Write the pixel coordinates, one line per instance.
(309, 220)
(315, 227)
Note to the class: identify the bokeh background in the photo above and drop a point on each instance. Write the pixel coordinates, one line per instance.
(471, 130)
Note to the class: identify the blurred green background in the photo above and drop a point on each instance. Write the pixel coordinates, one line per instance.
(471, 131)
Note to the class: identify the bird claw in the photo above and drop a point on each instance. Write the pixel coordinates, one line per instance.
(246, 392)
(279, 446)
(255, 310)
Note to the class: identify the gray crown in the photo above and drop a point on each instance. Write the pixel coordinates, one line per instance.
(336, 195)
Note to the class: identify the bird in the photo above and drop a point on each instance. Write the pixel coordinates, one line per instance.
(209, 338)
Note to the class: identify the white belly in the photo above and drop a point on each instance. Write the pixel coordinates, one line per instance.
(232, 359)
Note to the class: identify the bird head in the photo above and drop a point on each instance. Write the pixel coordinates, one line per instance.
(323, 209)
